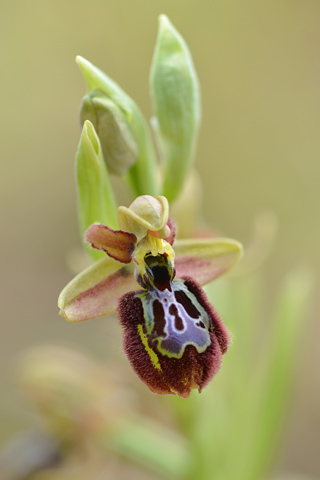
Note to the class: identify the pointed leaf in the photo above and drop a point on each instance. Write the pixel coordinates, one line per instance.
(97, 79)
(206, 258)
(95, 292)
(176, 98)
(117, 244)
(274, 378)
(96, 202)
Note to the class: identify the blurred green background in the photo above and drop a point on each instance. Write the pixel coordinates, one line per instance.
(259, 67)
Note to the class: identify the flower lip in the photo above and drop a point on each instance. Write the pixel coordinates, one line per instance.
(165, 356)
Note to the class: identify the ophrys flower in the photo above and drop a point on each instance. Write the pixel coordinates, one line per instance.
(173, 337)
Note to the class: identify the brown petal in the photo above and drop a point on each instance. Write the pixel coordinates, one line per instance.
(117, 244)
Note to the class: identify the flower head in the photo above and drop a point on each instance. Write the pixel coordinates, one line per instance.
(173, 337)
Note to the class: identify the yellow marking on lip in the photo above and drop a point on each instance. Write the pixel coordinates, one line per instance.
(153, 357)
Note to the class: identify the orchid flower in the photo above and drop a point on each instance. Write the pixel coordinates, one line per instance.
(173, 337)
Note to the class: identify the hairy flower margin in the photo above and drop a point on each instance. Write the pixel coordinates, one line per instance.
(173, 337)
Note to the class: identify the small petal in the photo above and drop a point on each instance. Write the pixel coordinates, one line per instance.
(206, 258)
(95, 292)
(117, 244)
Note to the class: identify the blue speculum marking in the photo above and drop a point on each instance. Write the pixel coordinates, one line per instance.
(174, 318)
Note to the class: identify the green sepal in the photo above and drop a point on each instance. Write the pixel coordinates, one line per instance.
(175, 93)
(96, 202)
(141, 177)
(96, 291)
(205, 259)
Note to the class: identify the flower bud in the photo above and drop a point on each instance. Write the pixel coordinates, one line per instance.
(118, 144)
(176, 98)
(142, 175)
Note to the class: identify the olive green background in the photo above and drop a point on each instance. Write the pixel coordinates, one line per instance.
(259, 67)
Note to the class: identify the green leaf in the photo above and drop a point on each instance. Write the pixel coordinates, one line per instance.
(282, 359)
(96, 202)
(175, 93)
(266, 396)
